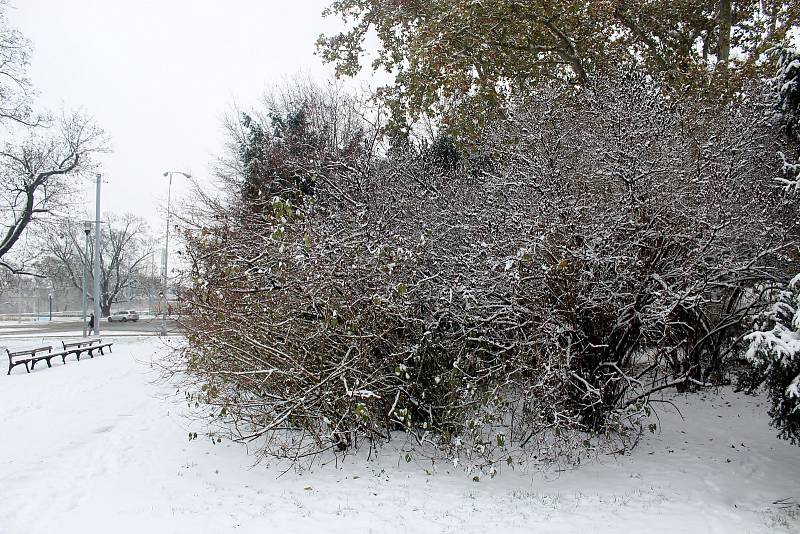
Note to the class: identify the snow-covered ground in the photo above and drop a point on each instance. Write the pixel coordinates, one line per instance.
(101, 446)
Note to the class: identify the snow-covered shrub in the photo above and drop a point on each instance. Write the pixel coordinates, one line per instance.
(299, 137)
(525, 305)
(774, 354)
(646, 210)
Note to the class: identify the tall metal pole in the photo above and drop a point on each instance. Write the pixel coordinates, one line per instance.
(166, 263)
(19, 297)
(97, 294)
(87, 229)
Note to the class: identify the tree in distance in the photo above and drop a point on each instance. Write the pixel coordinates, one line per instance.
(125, 247)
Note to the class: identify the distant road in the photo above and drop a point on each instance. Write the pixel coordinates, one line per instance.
(143, 327)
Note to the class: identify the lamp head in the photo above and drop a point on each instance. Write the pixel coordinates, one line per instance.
(186, 174)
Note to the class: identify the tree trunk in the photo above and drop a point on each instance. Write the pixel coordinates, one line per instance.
(725, 23)
(773, 17)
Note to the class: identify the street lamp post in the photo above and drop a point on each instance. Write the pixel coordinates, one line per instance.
(19, 298)
(166, 252)
(97, 294)
(87, 229)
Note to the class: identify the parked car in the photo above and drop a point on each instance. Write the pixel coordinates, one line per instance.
(124, 316)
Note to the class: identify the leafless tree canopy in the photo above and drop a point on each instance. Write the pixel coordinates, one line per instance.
(39, 156)
(15, 86)
(126, 247)
(526, 300)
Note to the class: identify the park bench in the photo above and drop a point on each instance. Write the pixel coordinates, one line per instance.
(36, 354)
(84, 345)
(31, 355)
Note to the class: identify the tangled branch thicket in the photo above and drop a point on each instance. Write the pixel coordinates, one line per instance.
(524, 303)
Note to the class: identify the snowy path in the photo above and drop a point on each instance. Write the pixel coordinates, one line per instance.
(97, 446)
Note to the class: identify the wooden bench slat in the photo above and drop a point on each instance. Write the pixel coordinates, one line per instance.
(31, 350)
(81, 342)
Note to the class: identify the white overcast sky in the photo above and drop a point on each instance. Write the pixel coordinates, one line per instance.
(158, 76)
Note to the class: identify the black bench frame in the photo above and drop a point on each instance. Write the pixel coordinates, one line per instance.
(84, 345)
(17, 357)
(34, 355)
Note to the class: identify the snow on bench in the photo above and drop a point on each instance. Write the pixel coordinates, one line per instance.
(36, 354)
(29, 355)
(84, 345)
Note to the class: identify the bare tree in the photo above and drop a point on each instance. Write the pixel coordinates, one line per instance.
(39, 156)
(37, 174)
(126, 247)
(15, 87)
